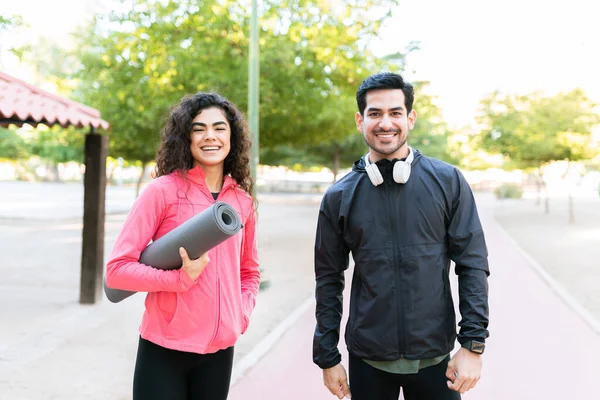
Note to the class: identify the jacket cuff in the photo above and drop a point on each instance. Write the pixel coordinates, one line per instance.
(332, 362)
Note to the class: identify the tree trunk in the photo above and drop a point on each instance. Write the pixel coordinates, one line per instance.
(52, 174)
(141, 178)
(538, 184)
(336, 164)
(571, 210)
(546, 202)
(110, 171)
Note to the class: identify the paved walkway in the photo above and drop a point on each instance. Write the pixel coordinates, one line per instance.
(538, 348)
(53, 348)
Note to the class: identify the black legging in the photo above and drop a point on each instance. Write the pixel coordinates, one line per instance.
(370, 383)
(165, 374)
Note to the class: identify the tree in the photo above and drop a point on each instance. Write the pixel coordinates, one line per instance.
(133, 65)
(8, 23)
(430, 135)
(12, 146)
(532, 130)
(56, 145)
(337, 154)
(323, 49)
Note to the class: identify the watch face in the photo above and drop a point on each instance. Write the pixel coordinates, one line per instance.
(477, 347)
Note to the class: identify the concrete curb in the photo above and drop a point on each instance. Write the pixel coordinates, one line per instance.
(263, 347)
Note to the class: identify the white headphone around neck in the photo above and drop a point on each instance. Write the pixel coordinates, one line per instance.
(401, 171)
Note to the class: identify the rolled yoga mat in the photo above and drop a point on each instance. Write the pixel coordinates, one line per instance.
(197, 235)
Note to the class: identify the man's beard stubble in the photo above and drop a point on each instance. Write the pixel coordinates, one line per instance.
(386, 152)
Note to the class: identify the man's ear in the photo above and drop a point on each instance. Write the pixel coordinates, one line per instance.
(412, 118)
(359, 121)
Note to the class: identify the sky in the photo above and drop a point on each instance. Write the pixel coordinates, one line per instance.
(468, 48)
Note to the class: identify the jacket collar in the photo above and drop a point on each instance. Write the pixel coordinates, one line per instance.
(198, 176)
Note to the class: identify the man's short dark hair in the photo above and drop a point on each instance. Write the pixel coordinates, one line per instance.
(384, 80)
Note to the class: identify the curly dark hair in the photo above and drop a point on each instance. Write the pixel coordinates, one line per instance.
(174, 151)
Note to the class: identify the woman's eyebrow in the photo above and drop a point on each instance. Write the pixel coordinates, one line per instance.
(202, 124)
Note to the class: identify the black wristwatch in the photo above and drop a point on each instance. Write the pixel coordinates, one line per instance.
(474, 346)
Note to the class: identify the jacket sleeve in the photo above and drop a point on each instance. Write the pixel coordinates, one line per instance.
(331, 260)
(123, 270)
(249, 267)
(468, 250)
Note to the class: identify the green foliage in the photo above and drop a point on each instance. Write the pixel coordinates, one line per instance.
(57, 144)
(430, 134)
(10, 22)
(134, 65)
(12, 146)
(509, 191)
(532, 130)
(335, 155)
(314, 54)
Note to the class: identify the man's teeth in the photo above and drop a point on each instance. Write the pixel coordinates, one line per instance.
(387, 136)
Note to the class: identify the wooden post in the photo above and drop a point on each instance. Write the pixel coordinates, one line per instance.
(92, 248)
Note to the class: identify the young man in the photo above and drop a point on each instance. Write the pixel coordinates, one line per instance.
(404, 216)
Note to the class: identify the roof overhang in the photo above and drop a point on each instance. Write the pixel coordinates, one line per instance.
(22, 103)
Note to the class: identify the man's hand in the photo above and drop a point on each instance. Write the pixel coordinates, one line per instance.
(193, 267)
(336, 381)
(464, 370)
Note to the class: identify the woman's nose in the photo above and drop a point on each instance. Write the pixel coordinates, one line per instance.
(210, 134)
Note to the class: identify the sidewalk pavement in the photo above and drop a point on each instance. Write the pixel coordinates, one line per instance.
(538, 346)
(55, 348)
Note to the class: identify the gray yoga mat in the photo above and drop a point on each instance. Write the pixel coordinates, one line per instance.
(197, 235)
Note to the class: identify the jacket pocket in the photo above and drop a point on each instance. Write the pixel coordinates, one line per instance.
(186, 323)
(429, 311)
(373, 326)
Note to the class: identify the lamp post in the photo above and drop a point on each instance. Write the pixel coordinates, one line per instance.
(253, 90)
(253, 102)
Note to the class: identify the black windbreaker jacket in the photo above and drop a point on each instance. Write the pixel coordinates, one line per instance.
(402, 239)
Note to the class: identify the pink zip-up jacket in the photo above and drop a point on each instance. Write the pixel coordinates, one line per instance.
(203, 316)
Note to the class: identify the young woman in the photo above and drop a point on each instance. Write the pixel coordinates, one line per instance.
(193, 315)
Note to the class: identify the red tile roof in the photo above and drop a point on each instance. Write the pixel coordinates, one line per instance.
(23, 103)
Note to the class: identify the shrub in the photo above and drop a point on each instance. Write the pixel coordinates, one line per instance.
(509, 191)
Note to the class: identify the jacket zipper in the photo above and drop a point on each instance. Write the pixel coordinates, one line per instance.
(396, 266)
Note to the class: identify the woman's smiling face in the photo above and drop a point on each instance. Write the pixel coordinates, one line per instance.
(210, 137)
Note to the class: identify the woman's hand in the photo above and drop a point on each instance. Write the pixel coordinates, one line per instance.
(193, 267)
